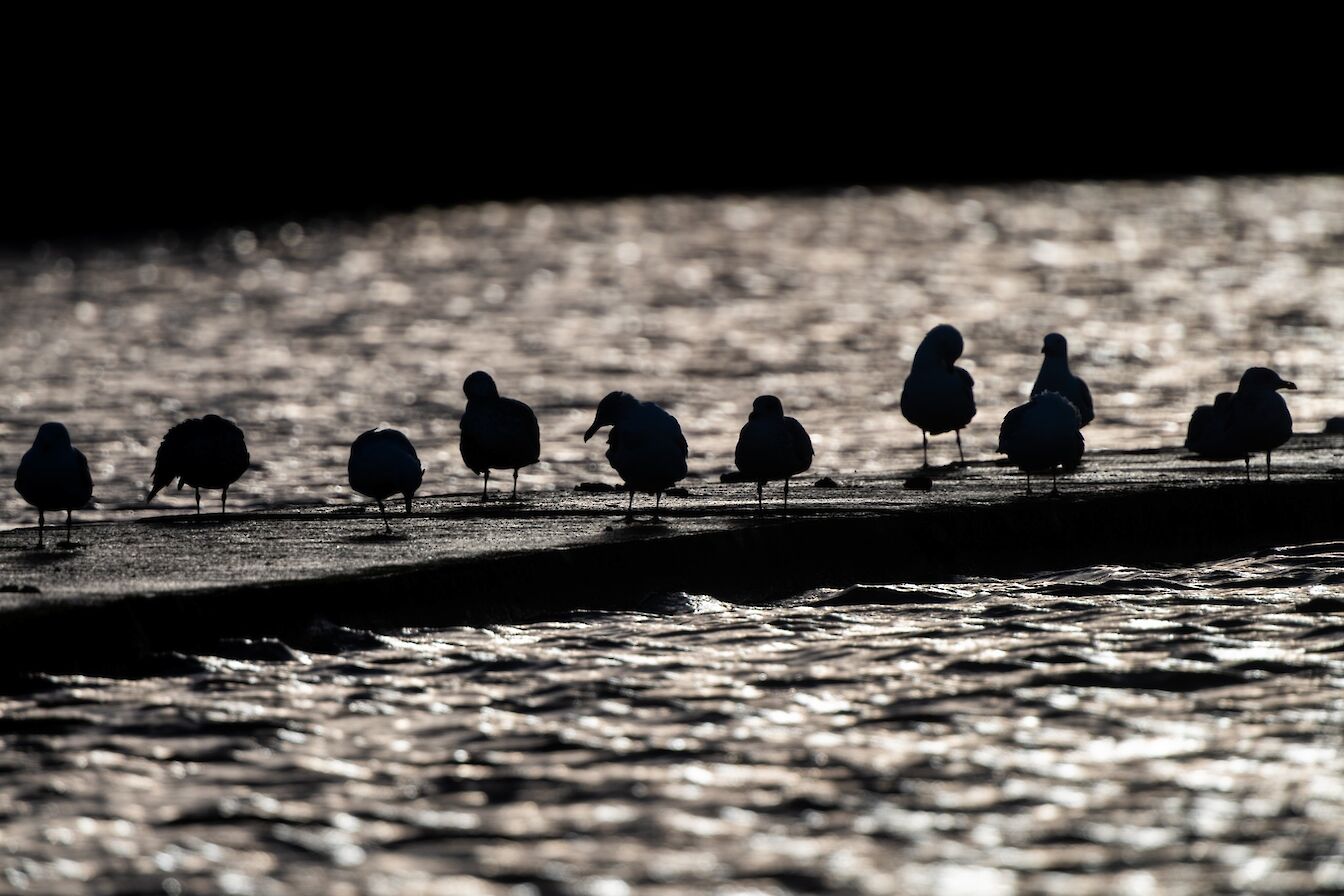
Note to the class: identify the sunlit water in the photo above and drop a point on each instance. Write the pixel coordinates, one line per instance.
(1107, 730)
(311, 332)
(1099, 731)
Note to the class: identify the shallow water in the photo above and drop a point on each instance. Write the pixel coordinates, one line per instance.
(311, 332)
(1105, 730)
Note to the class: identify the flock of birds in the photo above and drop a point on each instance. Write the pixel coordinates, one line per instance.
(648, 451)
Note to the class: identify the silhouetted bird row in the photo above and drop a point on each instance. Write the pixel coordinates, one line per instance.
(648, 451)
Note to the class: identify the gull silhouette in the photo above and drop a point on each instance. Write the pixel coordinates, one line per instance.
(383, 463)
(205, 452)
(497, 433)
(645, 446)
(771, 446)
(938, 396)
(1055, 376)
(54, 475)
(1041, 436)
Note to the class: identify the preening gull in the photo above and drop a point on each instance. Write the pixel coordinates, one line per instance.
(645, 445)
(383, 463)
(938, 395)
(497, 433)
(1042, 435)
(1055, 376)
(53, 475)
(205, 452)
(771, 446)
(1259, 419)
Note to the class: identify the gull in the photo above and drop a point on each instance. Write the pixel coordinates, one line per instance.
(645, 445)
(383, 463)
(54, 475)
(771, 446)
(937, 396)
(1055, 376)
(497, 433)
(1258, 419)
(205, 452)
(1042, 435)
(1208, 434)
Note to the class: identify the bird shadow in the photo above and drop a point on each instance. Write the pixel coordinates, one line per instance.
(941, 470)
(378, 538)
(628, 524)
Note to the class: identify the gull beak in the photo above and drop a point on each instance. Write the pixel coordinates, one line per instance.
(591, 430)
(1284, 384)
(1042, 349)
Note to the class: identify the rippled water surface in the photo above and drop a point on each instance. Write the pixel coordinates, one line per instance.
(312, 332)
(1105, 730)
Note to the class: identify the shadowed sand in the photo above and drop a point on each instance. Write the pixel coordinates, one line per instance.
(133, 587)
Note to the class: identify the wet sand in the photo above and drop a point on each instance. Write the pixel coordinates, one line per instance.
(133, 588)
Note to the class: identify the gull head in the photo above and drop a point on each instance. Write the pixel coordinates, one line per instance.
(480, 387)
(946, 342)
(766, 406)
(1056, 346)
(1262, 378)
(610, 410)
(52, 437)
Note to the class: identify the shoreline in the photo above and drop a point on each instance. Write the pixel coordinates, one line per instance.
(164, 583)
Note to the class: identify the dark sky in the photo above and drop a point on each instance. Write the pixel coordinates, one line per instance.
(117, 171)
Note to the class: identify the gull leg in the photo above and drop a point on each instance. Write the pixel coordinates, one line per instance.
(1054, 480)
(485, 487)
(198, 501)
(960, 453)
(1028, 482)
(786, 493)
(515, 486)
(383, 511)
(41, 528)
(67, 527)
(630, 510)
(760, 486)
(657, 503)
(223, 500)
(926, 448)
(1269, 471)
(1248, 468)
(408, 503)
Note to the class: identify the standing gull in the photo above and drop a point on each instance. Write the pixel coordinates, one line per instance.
(497, 433)
(383, 463)
(772, 446)
(1259, 419)
(1042, 435)
(938, 395)
(1055, 376)
(205, 452)
(645, 445)
(54, 475)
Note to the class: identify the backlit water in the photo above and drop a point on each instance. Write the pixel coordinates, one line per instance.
(1107, 730)
(312, 332)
